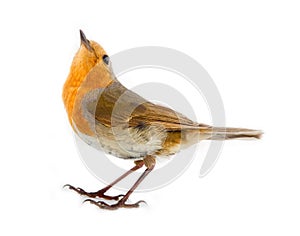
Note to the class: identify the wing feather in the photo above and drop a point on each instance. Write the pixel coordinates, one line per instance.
(117, 105)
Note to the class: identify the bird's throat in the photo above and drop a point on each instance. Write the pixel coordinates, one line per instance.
(82, 79)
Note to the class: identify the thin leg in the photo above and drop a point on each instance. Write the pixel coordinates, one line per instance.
(100, 193)
(121, 202)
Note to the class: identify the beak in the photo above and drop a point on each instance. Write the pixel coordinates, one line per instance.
(85, 41)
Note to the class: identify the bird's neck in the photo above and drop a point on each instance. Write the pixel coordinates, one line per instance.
(82, 79)
(77, 75)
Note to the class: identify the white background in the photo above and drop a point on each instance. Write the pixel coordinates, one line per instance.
(251, 50)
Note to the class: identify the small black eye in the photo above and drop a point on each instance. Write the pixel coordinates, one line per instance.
(106, 59)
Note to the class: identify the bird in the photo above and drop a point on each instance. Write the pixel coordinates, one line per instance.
(113, 119)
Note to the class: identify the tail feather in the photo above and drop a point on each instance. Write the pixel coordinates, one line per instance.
(221, 133)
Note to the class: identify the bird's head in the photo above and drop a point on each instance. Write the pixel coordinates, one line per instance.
(89, 55)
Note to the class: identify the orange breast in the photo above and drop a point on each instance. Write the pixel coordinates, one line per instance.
(79, 83)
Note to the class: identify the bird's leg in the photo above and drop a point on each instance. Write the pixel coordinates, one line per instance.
(150, 163)
(101, 193)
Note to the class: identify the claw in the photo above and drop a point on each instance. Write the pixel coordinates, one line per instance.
(100, 204)
(120, 204)
(99, 194)
(67, 185)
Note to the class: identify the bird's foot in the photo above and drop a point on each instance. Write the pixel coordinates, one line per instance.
(120, 204)
(98, 194)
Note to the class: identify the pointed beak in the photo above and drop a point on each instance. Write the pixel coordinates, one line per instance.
(85, 41)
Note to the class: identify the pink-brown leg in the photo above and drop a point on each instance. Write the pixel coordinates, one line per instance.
(122, 202)
(101, 193)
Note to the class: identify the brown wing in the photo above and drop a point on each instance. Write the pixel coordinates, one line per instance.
(118, 105)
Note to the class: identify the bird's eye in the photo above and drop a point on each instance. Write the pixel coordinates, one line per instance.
(106, 59)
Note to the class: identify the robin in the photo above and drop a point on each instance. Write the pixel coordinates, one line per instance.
(109, 117)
